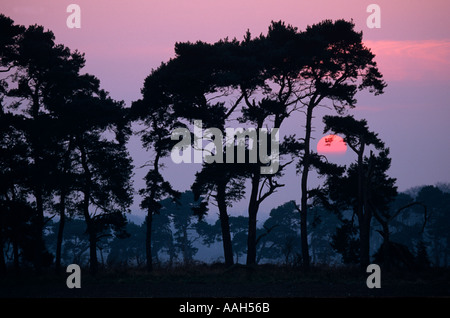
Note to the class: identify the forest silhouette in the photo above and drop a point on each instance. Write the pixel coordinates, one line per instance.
(66, 175)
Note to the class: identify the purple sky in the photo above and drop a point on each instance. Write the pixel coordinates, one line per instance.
(124, 40)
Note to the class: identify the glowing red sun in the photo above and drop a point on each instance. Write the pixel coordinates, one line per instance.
(331, 144)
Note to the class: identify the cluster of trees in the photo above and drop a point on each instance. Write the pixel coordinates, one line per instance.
(179, 237)
(63, 148)
(258, 81)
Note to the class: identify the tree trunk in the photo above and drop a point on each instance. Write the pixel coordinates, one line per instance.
(304, 189)
(62, 210)
(16, 254)
(150, 212)
(2, 253)
(2, 259)
(93, 262)
(225, 226)
(386, 246)
(363, 212)
(185, 241)
(39, 230)
(252, 213)
(251, 240)
(148, 241)
(62, 221)
(364, 241)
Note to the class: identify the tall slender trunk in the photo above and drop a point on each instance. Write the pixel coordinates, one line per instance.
(304, 189)
(148, 240)
(184, 246)
(39, 249)
(150, 212)
(2, 213)
(15, 244)
(364, 233)
(252, 214)
(386, 246)
(363, 212)
(2, 253)
(38, 191)
(171, 252)
(62, 209)
(225, 226)
(93, 262)
(2, 258)
(62, 221)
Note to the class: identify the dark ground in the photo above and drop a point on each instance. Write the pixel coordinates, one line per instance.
(239, 281)
(287, 292)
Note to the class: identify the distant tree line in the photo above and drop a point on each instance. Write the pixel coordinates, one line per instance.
(66, 174)
(179, 235)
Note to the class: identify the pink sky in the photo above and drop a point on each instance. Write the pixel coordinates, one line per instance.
(124, 40)
(135, 36)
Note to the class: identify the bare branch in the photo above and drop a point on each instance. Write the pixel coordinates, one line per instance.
(268, 230)
(234, 105)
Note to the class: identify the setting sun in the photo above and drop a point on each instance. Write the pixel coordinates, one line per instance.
(331, 144)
